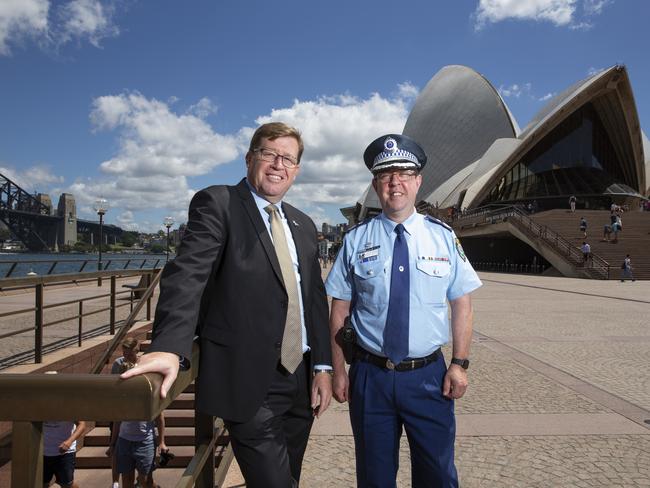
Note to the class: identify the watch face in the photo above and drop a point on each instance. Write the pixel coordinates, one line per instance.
(463, 363)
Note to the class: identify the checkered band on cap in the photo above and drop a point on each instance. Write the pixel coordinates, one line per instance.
(398, 159)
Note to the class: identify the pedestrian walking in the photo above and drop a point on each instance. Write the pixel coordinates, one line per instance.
(572, 203)
(586, 253)
(607, 231)
(583, 226)
(627, 268)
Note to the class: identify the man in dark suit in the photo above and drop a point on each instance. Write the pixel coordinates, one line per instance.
(247, 281)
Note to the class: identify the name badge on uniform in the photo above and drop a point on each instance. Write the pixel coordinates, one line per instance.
(370, 254)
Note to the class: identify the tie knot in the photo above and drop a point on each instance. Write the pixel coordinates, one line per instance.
(399, 229)
(270, 209)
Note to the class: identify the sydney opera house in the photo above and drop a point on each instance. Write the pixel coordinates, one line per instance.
(586, 141)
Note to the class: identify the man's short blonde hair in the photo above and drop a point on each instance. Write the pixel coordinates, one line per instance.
(272, 131)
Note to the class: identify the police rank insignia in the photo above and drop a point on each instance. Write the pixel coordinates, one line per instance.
(459, 250)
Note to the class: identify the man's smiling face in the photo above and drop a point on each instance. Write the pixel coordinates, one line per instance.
(271, 179)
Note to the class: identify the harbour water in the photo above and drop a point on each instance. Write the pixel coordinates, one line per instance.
(21, 264)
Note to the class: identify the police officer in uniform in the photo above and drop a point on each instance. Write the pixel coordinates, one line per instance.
(393, 277)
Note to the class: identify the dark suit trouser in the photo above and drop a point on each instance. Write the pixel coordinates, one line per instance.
(269, 447)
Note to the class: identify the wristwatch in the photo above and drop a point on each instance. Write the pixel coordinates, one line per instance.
(323, 370)
(463, 363)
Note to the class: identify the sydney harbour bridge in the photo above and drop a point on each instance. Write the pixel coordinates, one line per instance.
(31, 219)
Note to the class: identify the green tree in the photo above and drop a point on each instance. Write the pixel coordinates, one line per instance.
(157, 248)
(129, 239)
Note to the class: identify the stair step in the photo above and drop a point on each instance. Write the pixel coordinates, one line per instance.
(173, 418)
(174, 436)
(94, 457)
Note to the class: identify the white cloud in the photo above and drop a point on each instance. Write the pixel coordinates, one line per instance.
(21, 19)
(203, 108)
(53, 25)
(523, 90)
(89, 19)
(155, 141)
(594, 71)
(559, 12)
(130, 196)
(564, 13)
(336, 130)
(515, 90)
(595, 7)
(37, 178)
(408, 90)
(159, 148)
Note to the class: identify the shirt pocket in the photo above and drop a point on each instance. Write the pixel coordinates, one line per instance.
(432, 281)
(369, 282)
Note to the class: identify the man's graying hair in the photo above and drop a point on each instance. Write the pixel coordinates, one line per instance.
(272, 131)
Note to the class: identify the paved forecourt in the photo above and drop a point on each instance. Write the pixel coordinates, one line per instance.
(559, 391)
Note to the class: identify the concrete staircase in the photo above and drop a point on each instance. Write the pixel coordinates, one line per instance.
(179, 435)
(634, 239)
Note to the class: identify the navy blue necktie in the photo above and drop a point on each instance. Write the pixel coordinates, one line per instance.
(396, 333)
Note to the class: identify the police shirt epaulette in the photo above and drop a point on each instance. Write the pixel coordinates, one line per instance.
(359, 224)
(439, 222)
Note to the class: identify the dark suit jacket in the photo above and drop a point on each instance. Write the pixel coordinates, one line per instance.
(226, 285)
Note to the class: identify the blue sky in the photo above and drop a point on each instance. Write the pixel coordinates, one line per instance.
(144, 102)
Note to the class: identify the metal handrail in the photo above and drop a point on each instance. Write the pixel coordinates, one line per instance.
(126, 326)
(138, 263)
(599, 266)
(38, 283)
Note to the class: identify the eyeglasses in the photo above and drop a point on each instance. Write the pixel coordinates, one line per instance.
(270, 156)
(404, 175)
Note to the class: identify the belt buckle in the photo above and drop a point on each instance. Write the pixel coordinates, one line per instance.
(390, 364)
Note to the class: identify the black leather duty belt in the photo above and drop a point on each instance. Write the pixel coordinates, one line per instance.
(406, 365)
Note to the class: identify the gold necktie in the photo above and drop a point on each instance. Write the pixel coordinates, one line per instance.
(291, 353)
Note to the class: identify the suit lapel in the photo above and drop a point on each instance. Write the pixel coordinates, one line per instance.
(256, 219)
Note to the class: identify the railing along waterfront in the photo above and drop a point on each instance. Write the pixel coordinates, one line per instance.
(29, 400)
(597, 267)
(40, 285)
(9, 268)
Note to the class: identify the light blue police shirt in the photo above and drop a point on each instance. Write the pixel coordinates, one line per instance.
(438, 271)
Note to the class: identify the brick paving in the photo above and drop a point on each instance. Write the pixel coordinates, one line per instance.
(559, 392)
(596, 334)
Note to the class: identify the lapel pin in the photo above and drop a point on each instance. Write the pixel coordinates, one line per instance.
(295, 223)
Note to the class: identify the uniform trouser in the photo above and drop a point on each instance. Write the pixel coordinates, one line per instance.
(381, 403)
(269, 447)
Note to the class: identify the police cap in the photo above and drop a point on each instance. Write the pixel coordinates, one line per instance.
(394, 151)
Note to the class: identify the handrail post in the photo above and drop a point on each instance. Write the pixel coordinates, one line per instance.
(27, 455)
(81, 320)
(112, 306)
(38, 323)
(204, 432)
(11, 270)
(148, 282)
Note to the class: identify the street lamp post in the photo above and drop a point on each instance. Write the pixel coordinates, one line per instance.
(169, 221)
(101, 207)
